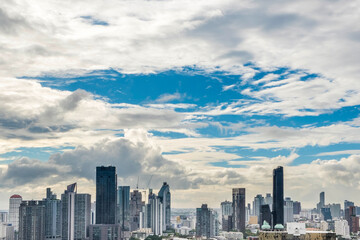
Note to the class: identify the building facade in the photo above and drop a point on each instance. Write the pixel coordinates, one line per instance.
(32, 220)
(239, 214)
(123, 207)
(105, 232)
(76, 214)
(106, 184)
(206, 223)
(52, 216)
(165, 199)
(14, 205)
(278, 196)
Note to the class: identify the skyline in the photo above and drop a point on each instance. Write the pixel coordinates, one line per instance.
(206, 96)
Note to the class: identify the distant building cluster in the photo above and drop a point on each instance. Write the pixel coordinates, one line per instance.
(113, 216)
(119, 213)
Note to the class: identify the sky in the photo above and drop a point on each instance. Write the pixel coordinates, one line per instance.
(205, 95)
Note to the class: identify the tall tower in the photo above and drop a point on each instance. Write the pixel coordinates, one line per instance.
(14, 205)
(239, 213)
(106, 183)
(322, 199)
(278, 196)
(123, 207)
(76, 214)
(52, 215)
(165, 198)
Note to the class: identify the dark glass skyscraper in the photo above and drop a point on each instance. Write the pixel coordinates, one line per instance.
(265, 214)
(278, 196)
(106, 183)
(239, 213)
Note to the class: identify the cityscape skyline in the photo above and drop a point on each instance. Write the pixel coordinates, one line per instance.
(204, 95)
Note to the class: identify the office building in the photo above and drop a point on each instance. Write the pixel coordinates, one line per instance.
(106, 183)
(155, 214)
(352, 219)
(335, 210)
(342, 228)
(4, 216)
(268, 200)
(165, 199)
(265, 214)
(136, 207)
(32, 220)
(76, 214)
(278, 196)
(325, 214)
(105, 231)
(258, 201)
(227, 223)
(205, 222)
(6, 231)
(14, 205)
(238, 219)
(226, 215)
(226, 208)
(348, 204)
(288, 210)
(321, 204)
(296, 207)
(52, 216)
(123, 207)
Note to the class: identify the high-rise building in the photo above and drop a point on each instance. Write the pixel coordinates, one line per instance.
(239, 214)
(105, 231)
(32, 220)
(335, 210)
(52, 215)
(106, 182)
(278, 196)
(325, 213)
(14, 205)
(297, 207)
(288, 210)
(155, 214)
(76, 214)
(226, 208)
(321, 204)
(206, 223)
(82, 215)
(352, 219)
(165, 199)
(348, 204)
(268, 200)
(123, 207)
(136, 207)
(258, 201)
(226, 215)
(4, 216)
(265, 214)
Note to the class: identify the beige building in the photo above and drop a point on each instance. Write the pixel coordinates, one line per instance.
(309, 235)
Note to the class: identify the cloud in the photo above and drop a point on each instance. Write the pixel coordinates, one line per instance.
(169, 97)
